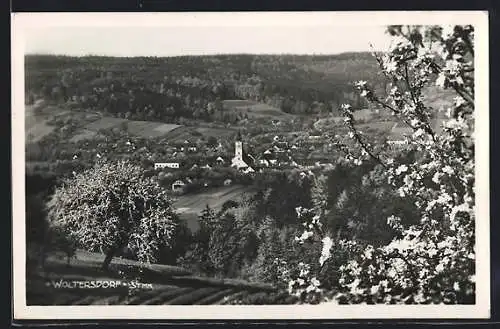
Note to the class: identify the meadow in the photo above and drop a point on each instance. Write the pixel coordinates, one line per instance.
(139, 128)
(189, 206)
(253, 109)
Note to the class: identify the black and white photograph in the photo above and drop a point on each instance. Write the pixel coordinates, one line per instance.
(251, 165)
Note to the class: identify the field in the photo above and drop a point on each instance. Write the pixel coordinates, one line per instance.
(216, 132)
(254, 109)
(35, 120)
(83, 134)
(90, 123)
(161, 285)
(193, 133)
(381, 126)
(150, 129)
(438, 98)
(139, 128)
(191, 205)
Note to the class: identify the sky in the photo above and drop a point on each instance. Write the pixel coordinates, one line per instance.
(202, 40)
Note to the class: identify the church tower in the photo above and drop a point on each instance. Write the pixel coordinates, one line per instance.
(238, 160)
(238, 147)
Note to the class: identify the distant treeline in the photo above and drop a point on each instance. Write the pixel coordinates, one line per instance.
(169, 88)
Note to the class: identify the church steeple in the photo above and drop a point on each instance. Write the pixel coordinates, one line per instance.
(238, 137)
(238, 147)
(240, 159)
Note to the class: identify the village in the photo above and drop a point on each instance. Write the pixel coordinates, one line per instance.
(279, 156)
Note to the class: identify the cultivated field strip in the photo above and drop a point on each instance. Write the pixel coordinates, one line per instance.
(252, 108)
(134, 127)
(163, 285)
(159, 295)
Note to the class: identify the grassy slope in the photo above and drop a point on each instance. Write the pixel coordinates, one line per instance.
(254, 109)
(35, 120)
(37, 115)
(435, 98)
(165, 285)
(191, 205)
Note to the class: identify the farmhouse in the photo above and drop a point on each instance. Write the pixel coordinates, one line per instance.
(178, 186)
(398, 133)
(273, 157)
(268, 158)
(264, 162)
(171, 165)
(397, 142)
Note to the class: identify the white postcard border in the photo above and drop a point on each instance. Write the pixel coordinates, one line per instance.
(270, 312)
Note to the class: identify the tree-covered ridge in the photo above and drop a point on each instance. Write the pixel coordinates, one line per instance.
(192, 86)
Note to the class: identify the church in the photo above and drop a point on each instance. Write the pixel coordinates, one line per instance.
(241, 160)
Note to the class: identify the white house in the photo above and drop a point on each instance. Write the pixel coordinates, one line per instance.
(248, 170)
(398, 134)
(178, 185)
(397, 142)
(171, 165)
(220, 160)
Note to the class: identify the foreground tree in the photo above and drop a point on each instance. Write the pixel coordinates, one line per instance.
(432, 261)
(111, 207)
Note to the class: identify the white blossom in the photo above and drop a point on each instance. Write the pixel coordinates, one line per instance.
(447, 169)
(447, 31)
(459, 101)
(441, 79)
(305, 235)
(401, 169)
(389, 64)
(360, 84)
(437, 176)
(399, 43)
(325, 251)
(368, 253)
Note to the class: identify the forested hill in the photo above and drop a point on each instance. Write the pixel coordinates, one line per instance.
(168, 88)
